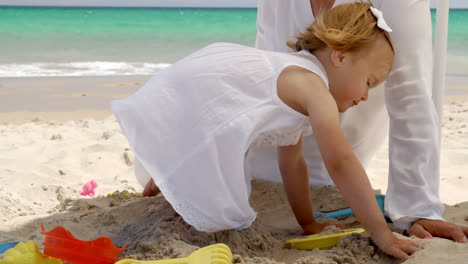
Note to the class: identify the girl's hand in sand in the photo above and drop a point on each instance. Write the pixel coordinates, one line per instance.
(399, 248)
(151, 189)
(426, 228)
(313, 228)
(316, 227)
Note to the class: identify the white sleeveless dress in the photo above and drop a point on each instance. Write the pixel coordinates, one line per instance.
(192, 124)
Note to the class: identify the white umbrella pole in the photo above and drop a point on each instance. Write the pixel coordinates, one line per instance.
(440, 57)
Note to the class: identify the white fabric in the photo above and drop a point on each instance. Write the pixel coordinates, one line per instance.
(381, 23)
(414, 147)
(192, 124)
(141, 173)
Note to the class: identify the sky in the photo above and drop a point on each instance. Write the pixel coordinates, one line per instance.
(170, 3)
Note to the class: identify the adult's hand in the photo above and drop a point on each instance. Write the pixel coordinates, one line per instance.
(426, 228)
(321, 5)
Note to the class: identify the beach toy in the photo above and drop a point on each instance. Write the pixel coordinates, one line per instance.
(61, 244)
(7, 245)
(348, 211)
(214, 254)
(318, 241)
(27, 253)
(88, 188)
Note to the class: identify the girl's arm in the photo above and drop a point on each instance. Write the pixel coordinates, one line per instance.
(306, 92)
(293, 170)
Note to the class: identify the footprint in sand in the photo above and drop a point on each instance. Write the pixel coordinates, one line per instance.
(106, 135)
(56, 137)
(127, 159)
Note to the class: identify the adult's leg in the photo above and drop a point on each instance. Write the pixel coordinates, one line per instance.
(413, 185)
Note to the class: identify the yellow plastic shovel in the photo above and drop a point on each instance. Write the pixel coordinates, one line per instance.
(318, 241)
(214, 254)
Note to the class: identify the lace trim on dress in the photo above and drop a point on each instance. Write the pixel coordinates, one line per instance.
(279, 137)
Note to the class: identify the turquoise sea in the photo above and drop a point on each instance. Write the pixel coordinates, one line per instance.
(48, 41)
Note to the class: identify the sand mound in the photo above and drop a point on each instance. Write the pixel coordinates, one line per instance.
(155, 231)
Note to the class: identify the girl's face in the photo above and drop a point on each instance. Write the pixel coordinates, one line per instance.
(354, 74)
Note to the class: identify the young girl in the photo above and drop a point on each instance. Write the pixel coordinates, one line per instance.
(192, 124)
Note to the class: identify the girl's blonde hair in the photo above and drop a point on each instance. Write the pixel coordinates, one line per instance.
(346, 28)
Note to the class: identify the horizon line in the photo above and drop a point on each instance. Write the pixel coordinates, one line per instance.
(153, 6)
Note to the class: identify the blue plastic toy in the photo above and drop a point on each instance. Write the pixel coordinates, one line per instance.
(5, 246)
(348, 211)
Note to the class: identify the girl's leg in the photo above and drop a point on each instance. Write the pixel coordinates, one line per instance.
(151, 189)
(145, 179)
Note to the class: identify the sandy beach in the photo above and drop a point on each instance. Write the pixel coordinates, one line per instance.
(58, 133)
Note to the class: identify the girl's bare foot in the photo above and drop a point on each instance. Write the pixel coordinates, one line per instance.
(151, 189)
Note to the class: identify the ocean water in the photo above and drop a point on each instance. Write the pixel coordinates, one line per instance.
(45, 41)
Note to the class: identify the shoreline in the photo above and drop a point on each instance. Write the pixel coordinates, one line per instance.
(60, 98)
